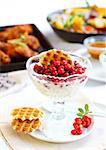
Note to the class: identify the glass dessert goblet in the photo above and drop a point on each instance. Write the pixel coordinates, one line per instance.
(58, 88)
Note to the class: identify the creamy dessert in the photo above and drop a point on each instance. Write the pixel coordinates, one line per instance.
(57, 73)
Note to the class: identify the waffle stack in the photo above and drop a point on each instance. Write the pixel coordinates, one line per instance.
(26, 119)
(54, 54)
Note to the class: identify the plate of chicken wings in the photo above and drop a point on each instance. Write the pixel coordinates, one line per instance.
(18, 43)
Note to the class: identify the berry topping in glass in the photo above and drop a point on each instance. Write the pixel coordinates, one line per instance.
(58, 63)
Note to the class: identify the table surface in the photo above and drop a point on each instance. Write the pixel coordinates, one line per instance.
(21, 98)
(27, 12)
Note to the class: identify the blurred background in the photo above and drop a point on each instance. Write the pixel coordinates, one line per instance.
(36, 11)
(18, 11)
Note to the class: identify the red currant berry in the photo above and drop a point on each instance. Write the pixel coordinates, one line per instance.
(61, 71)
(73, 132)
(86, 117)
(79, 131)
(79, 70)
(73, 72)
(76, 126)
(88, 120)
(46, 72)
(84, 124)
(56, 63)
(88, 123)
(63, 62)
(66, 74)
(52, 69)
(36, 67)
(67, 67)
(44, 67)
(41, 70)
(78, 121)
(61, 67)
(54, 73)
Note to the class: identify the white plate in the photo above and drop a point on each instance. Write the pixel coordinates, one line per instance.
(27, 99)
(70, 138)
(30, 99)
(62, 139)
(97, 72)
(71, 109)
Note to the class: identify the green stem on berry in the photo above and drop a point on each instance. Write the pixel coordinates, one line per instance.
(82, 112)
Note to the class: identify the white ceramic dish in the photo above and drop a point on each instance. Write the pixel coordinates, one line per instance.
(71, 109)
(29, 99)
(70, 138)
(97, 72)
(62, 139)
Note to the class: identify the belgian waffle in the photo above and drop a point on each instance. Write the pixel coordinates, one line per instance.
(25, 126)
(54, 54)
(26, 113)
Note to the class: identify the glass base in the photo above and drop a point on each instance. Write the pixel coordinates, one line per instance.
(57, 128)
(58, 112)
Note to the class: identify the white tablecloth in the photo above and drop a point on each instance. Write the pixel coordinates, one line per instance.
(26, 97)
(32, 11)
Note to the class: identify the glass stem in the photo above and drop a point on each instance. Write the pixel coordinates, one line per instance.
(58, 109)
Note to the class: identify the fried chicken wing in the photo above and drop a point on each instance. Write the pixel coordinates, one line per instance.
(15, 42)
(19, 48)
(4, 58)
(24, 51)
(32, 42)
(3, 36)
(24, 28)
(10, 50)
(20, 28)
(1, 45)
(15, 32)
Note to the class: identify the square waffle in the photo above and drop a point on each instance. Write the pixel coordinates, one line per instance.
(26, 119)
(26, 113)
(54, 54)
(25, 126)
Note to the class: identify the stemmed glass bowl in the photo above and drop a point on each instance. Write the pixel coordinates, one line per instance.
(58, 88)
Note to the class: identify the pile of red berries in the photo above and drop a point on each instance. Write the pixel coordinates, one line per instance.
(59, 68)
(79, 123)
